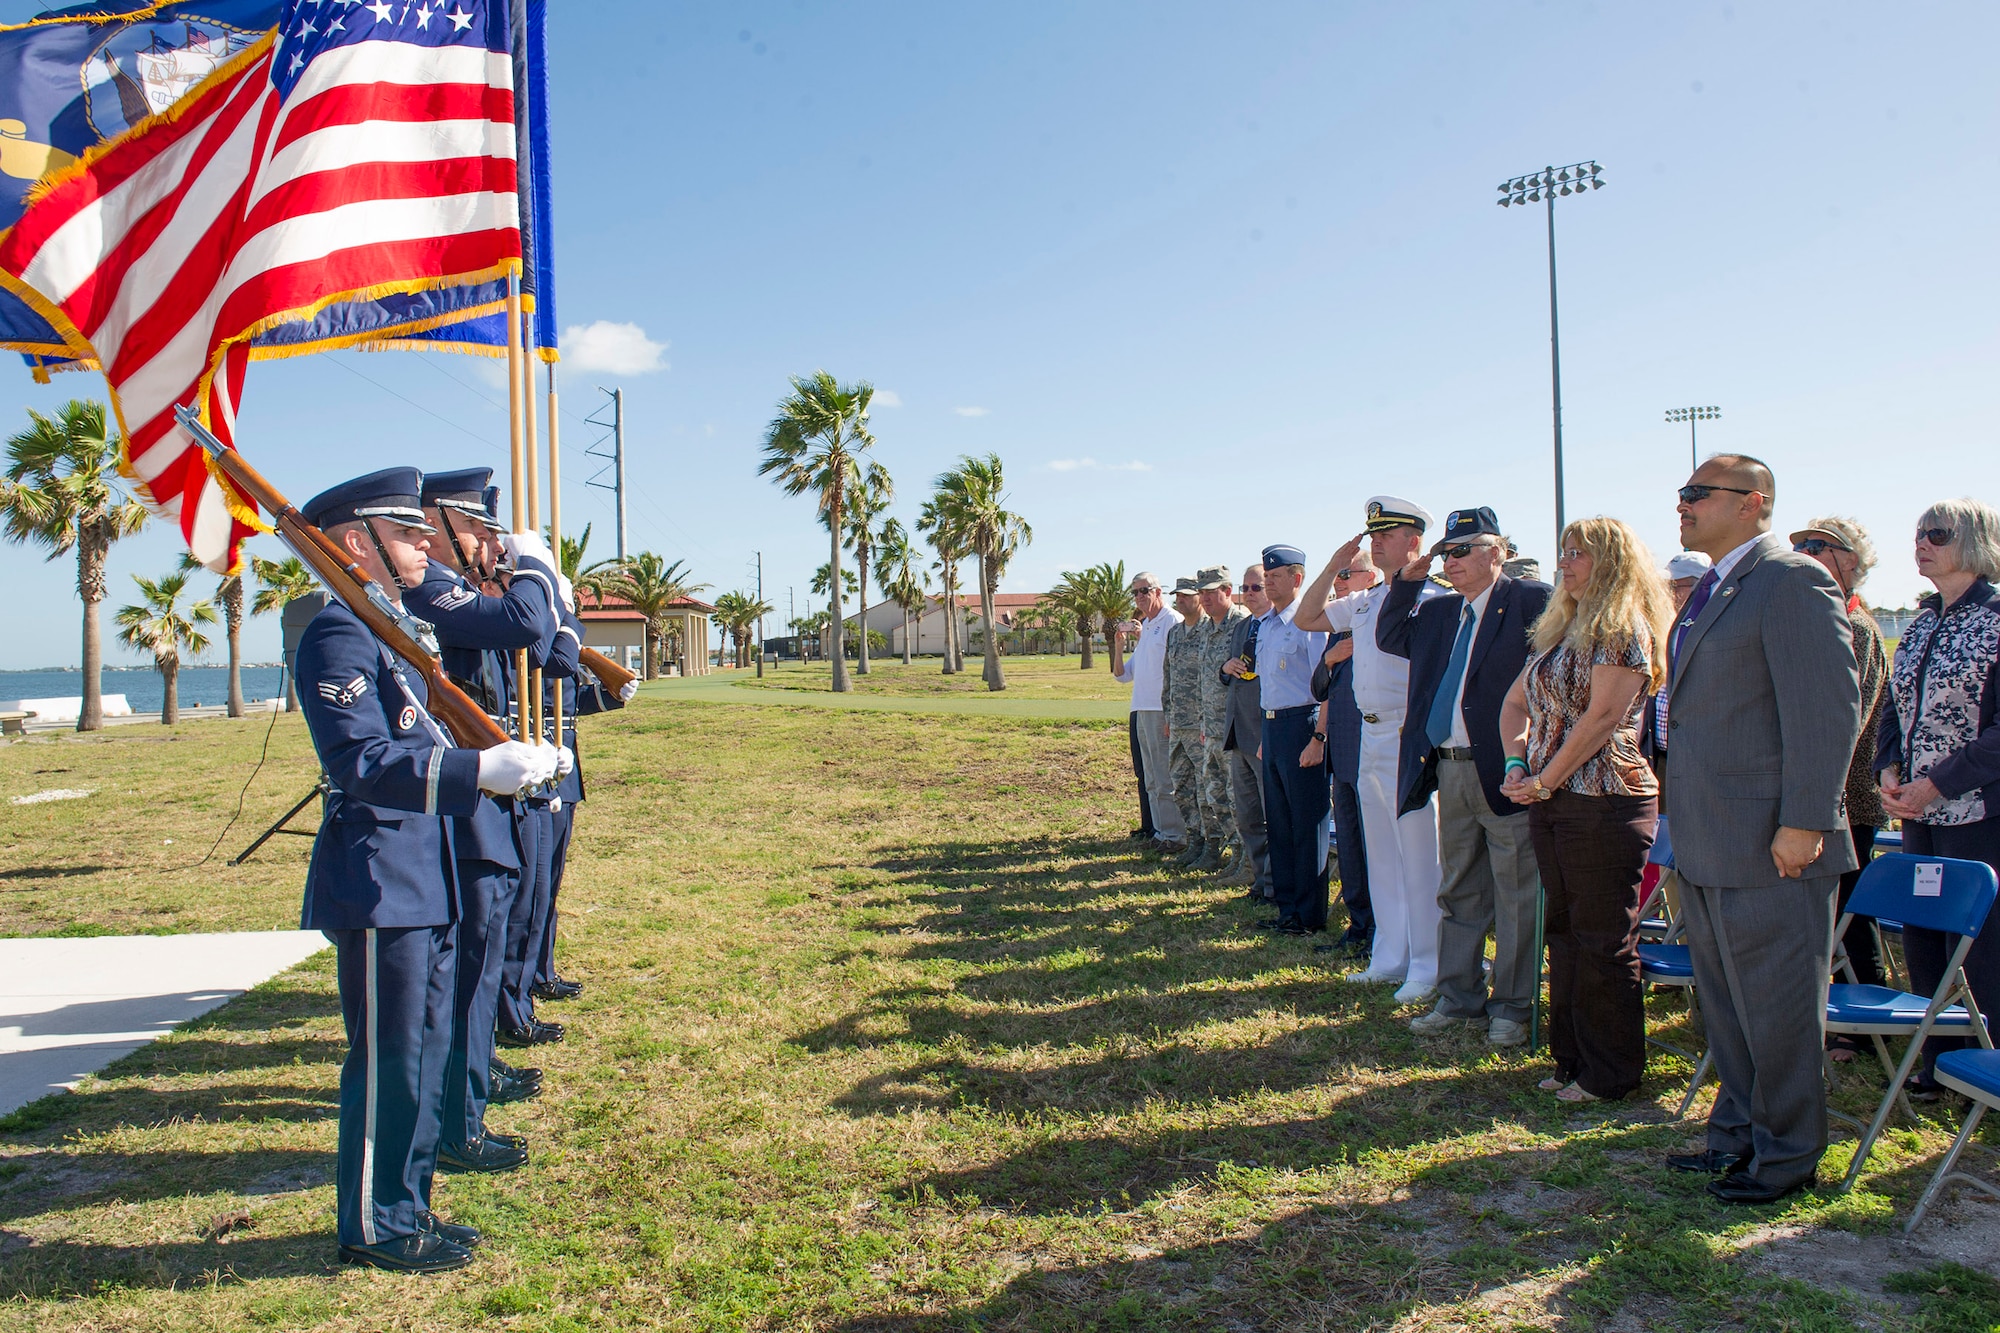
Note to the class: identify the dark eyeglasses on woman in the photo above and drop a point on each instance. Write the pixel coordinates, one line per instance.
(1694, 493)
(1936, 536)
(1818, 546)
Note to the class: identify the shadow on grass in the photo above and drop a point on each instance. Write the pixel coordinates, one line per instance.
(66, 1269)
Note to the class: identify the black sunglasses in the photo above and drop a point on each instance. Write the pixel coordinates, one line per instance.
(1818, 546)
(1694, 493)
(1936, 536)
(1464, 549)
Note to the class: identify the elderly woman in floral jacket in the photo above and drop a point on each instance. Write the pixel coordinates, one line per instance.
(1938, 752)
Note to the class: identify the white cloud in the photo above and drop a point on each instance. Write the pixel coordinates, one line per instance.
(1092, 465)
(613, 349)
(971, 411)
(886, 398)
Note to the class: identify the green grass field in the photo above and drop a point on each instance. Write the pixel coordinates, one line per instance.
(887, 1028)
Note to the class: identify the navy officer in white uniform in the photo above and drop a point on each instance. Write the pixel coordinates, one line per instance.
(1296, 795)
(380, 883)
(1403, 872)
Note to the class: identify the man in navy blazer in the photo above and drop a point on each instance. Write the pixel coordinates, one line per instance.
(1466, 649)
(381, 883)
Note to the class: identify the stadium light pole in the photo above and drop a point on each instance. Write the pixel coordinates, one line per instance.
(1676, 415)
(1537, 187)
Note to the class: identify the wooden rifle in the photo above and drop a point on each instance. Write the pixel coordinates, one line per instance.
(359, 593)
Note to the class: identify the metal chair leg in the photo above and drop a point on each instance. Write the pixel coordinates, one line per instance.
(1945, 1174)
(1874, 1131)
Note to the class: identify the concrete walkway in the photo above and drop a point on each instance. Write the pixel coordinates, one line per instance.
(70, 1007)
(721, 690)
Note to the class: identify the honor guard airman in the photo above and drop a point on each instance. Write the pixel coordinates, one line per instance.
(478, 633)
(582, 694)
(1403, 869)
(1182, 697)
(1295, 793)
(381, 883)
(1220, 616)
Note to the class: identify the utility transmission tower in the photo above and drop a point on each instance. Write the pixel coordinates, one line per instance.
(615, 460)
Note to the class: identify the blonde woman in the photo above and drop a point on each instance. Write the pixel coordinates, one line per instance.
(1571, 730)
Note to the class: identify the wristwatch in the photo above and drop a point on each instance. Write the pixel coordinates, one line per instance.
(1320, 736)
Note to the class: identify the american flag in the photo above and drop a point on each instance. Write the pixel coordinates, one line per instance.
(358, 149)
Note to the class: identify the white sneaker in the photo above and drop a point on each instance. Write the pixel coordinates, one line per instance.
(1413, 992)
(1373, 978)
(1435, 1023)
(1506, 1032)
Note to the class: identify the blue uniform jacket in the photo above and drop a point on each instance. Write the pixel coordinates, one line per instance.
(1343, 719)
(383, 855)
(477, 634)
(1424, 632)
(582, 694)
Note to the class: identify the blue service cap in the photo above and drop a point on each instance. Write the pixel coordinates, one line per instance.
(1277, 557)
(491, 498)
(1462, 525)
(394, 494)
(463, 492)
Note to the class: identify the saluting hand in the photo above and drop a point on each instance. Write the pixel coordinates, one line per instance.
(1418, 569)
(1344, 557)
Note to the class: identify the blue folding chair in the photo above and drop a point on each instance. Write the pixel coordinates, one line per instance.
(1977, 1075)
(1886, 841)
(1957, 897)
(1663, 961)
(1658, 919)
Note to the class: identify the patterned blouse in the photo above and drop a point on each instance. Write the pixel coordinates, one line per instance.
(1938, 689)
(1558, 690)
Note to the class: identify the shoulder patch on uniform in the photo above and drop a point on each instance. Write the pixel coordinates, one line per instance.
(454, 598)
(343, 696)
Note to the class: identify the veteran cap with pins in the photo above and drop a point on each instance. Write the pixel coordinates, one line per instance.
(1392, 511)
(393, 495)
(1462, 525)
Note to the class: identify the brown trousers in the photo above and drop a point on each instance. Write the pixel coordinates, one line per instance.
(1592, 851)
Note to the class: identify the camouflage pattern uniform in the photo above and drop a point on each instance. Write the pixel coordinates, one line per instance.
(1181, 694)
(1218, 811)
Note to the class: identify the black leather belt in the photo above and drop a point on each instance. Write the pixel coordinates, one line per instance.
(1462, 753)
(1271, 714)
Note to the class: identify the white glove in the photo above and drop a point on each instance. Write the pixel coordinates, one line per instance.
(565, 762)
(627, 691)
(518, 544)
(512, 766)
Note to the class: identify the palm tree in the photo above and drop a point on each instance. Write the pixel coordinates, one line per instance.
(596, 578)
(817, 443)
(975, 494)
(738, 612)
(937, 521)
(652, 586)
(904, 581)
(279, 584)
(62, 491)
(229, 595)
(864, 506)
(159, 626)
(1094, 595)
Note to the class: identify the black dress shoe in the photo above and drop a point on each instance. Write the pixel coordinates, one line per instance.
(506, 1140)
(1740, 1187)
(504, 1091)
(537, 1033)
(556, 988)
(527, 1074)
(1291, 925)
(482, 1155)
(1271, 923)
(425, 1252)
(465, 1238)
(1713, 1162)
(1140, 833)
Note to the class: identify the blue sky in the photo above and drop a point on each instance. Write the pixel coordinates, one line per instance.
(1207, 277)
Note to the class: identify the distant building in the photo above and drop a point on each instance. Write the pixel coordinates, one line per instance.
(927, 628)
(618, 631)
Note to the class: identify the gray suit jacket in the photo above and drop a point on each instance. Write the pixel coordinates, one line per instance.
(1762, 713)
(1246, 715)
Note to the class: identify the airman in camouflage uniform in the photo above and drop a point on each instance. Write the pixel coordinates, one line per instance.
(1218, 814)
(1181, 693)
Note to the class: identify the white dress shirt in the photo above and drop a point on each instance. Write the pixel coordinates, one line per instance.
(1145, 669)
(1459, 739)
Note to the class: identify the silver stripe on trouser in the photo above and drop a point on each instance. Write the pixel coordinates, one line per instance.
(370, 1026)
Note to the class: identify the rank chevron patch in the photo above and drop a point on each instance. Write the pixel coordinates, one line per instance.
(343, 696)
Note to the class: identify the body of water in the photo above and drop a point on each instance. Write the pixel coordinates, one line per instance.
(142, 686)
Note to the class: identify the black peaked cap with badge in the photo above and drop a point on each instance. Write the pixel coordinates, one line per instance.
(394, 494)
(1462, 525)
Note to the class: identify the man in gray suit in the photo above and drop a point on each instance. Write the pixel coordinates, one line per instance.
(1763, 706)
(1243, 740)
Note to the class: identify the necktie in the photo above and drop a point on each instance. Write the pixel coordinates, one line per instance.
(1438, 725)
(1689, 614)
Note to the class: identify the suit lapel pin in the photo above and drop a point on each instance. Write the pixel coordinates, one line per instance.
(1730, 591)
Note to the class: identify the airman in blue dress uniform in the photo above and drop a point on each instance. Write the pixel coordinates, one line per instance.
(1295, 793)
(478, 633)
(381, 883)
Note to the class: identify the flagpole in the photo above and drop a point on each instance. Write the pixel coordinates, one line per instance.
(517, 492)
(526, 366)
(555, 524)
